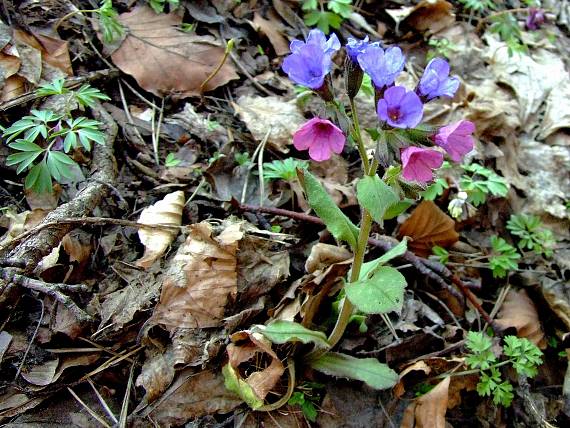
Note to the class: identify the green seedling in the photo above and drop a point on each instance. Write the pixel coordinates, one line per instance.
(532, 234)
(504, 258)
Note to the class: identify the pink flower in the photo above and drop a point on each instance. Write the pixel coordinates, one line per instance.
(456, 139)
(321, 137)
(418, 164)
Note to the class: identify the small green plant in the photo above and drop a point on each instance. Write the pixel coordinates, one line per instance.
(305, 398)
(478, 5)
(48, 136)
(479, 182)
(283, 169)
(338, 10)
(171, 160)
(367, 88)
(504, 257)
(440, 48)
(108, 22)
(159, 5)
(441, 253)
(507, 27)
(520, 353)
(532, 234)
(435, 189)
(242, 159)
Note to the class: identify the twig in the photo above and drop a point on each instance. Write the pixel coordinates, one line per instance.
(89, 410)
(227, 51)
(31, 341)
(52, 290)
(250, 77)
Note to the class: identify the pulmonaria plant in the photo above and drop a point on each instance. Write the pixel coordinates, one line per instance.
(406, 155)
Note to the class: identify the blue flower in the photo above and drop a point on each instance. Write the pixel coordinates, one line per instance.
(400, 108)
(382, 66)
(355, 47)
(436, 82)
(311, 61)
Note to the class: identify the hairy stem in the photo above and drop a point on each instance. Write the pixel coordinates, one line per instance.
(358, 135)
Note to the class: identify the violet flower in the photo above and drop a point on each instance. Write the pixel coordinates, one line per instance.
(321, 137)
(382, 66)
(456, 139)
(436, 82)
(418, 164)
(535, 19)
(400, 108)
(355, 47)
(310, 61)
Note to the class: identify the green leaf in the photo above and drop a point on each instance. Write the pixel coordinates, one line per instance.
(24, 159)
(283, 169)
(335, 220)
(398, 208)
(87, 95)
(25, 146)
(369, 268)
(381, 293)
(375, 196)
(340, 7)
(109, 23)
(39, 178)
(53, 88)
(323, 20)
(436, 189)
(368, 370)
(288, 331)
(59, 165)
(240, 387)
(310, 5)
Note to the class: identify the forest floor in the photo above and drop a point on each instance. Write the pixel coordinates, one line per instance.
(139, 273)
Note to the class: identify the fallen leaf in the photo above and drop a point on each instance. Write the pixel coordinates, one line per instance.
(200, 279)
(519, 311)
(260, 267)
(5, 340)
(166, 61)
(78, 246)
(429, 410)
(42, 374)
(270, 116)
(192, 395)
(272, 28)
(431, 16)
(324, 255)
(156, 241)
(428, 226)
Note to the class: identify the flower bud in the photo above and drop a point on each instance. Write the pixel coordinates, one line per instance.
(353, 75)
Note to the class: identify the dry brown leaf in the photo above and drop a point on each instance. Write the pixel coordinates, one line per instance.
(428, 226)
(156, 241)
(429, 410)
(324, 255)
(55, 52)
(42, 374)
(261, 381)
(201, 278)
(78, 246)
(431, 16)
(263, 115)
(191, 396)
(272, 28)
(166, 61)
(519, 311)
(13, 88)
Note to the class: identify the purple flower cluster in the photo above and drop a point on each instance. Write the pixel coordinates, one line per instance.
(398, 108)
(311, 61)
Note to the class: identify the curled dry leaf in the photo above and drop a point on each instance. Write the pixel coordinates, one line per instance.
(200, 279)
(166, 61)
(519, 311)
(429, 410)
(428, 226)
(273, 29)
(324, 255)
(261, 381)
(156, 241)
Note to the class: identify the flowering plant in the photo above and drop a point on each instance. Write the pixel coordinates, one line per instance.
(406, 154)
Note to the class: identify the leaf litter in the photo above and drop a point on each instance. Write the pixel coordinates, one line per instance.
(174, 299)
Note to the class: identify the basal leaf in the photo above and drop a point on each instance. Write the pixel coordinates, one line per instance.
(376, 196)
(368, 370)
(335, 220)
(288, 331)
(381, 293)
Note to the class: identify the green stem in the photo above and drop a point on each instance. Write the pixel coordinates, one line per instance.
(472, 371)
(358, 135)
